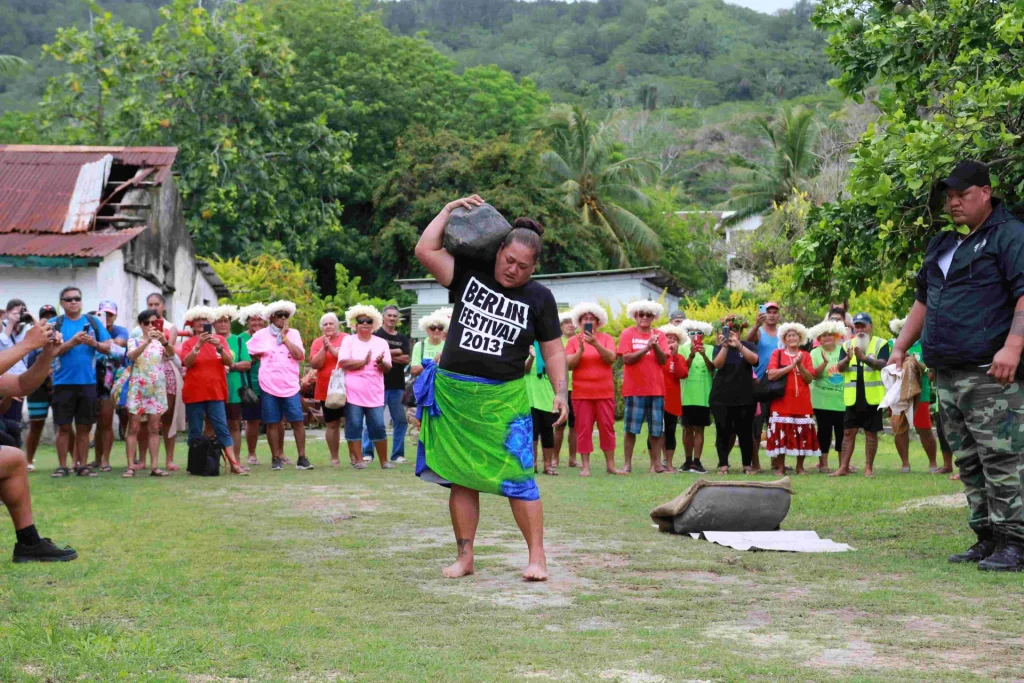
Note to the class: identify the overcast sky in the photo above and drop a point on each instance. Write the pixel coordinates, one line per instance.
(766, 6)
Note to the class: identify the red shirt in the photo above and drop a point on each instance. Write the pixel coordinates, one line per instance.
(592, 378)
(797, 400)
(207, 379)
(323, 375)
(645, 377)
(675, 369)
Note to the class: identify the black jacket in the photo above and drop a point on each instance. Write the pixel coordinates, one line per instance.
(970, 308)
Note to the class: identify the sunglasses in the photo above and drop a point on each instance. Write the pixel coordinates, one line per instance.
(147, 323)
(644, 315)
(435, 328)
(364, 321)
(72, 299)
(282, 314)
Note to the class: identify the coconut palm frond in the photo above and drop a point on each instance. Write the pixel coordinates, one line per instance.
(9, 64)
(634, 231)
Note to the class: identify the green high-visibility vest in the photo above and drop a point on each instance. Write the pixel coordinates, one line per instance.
(874, 390)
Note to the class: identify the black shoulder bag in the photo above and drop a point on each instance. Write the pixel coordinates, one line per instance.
(246, 395)
(770, 389)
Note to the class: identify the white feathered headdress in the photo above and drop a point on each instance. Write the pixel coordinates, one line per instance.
(833, 327)
(360, 310)
(698, 326)
(251, 311)
(650, 306)
(225, 311)
(565, 317)
(786, 328)
(896, 325)
(197, 312)
(434, 318)
(446, 311)
(678, 330)
(585, 307)
(278, 306)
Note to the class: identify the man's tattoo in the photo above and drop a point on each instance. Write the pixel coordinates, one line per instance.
(463, 544)
(562, 390)
(1017, 326)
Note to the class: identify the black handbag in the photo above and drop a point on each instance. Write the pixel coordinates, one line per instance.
(246, 394)
(769, 390)
(204, 457)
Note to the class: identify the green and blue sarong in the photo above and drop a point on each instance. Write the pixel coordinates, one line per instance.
(476, 433)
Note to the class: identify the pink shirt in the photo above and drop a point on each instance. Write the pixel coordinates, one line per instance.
(364, 387)
(279, 372)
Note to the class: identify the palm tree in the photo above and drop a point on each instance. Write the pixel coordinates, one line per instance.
(792, 135)
(9, 64)
(583, 167)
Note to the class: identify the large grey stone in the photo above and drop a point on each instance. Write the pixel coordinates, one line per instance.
(736, 508)
(475, 234)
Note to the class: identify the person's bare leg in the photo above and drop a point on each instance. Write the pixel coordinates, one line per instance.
(104, 432)
(154, 440)
(252, 438)
(35, 433)
(947, 463)
(131, 439)
(628, 443)
(550, 460)
(668, 460)
(529, 516)
(272, 434)
(609, 464)
(931, 449)
(235, 430)
(800, 464)
(299, 432)
(14, 487)
(464, 507)
(849, 444)
(688, 443)
(170, 436)
(572, 446)
(355, 452)
(382, 454)
(63, 445)
(333, 437)
(902, 448)
(143, 442)
(585, 459)
(870, 448)
(82, 444)
(698, 442)
(779, 463)
(656, 446)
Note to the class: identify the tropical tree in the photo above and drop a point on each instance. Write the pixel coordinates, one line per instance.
(586, 167)
(792, 136)
(10, 64)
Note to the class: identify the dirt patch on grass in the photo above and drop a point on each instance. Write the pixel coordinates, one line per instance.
(625, 676)
(950, 501)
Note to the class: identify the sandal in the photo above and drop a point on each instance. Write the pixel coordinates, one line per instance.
(359, 465)
(128, 474)
(171, 467)
(106, 468)
(550, 472)
(85, 472)
(60, 472)
(159, 473)
(387, 465)
(723, 470)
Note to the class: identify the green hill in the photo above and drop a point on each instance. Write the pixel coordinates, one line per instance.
(621, 53)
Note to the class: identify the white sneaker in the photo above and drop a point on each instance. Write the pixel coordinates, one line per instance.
(31, 467)
(400, 460)
(367, 458)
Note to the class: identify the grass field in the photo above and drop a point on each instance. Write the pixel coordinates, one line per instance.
(335, 575)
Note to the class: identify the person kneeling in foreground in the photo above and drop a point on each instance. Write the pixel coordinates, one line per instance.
(29, 547)
(477, 430)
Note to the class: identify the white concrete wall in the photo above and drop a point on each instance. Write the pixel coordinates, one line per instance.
(39, 286)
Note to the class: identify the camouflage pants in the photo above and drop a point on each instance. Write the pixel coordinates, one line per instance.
(984, 425)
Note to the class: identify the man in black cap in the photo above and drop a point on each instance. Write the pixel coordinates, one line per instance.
(969, 315)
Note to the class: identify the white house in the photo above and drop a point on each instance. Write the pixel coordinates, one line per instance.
(108, 220)
(738, 279)
(614, 288)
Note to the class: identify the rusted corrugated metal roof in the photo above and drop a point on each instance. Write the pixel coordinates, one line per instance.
(83, 245)
(38, 192)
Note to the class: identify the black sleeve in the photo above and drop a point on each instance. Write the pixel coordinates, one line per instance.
(1011, 258)
(883, 353)
(462, 266)
(406, 345)
(843, 354)
(547, 326)
(922, 285)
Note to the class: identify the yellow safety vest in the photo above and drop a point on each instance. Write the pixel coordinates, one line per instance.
(874, 390)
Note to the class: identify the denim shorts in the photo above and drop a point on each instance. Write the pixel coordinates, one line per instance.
(274, 408)
(354, 416)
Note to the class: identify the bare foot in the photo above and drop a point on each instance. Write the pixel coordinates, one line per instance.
(868, 472)
(780, 473)
(756, 470)
(841, 472)
(572, 463)
(670, 470)
(955, 476)
(336, 463)
(657, 470)
(618, 472)
(585, 472)
(536, 571)
(943, 470)
(801, 470)
(171, 467)
(461, 567)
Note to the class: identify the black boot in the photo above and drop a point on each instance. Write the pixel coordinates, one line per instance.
(44, 551)
(985, 546)
(1008, 557)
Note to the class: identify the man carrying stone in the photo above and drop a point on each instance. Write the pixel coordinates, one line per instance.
(969, 315)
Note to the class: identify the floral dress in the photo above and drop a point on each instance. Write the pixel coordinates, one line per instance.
(147, 387)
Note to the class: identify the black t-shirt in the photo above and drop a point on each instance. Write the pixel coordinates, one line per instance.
(399, 344)
(492, 327)
(862, 401)
(734, 382)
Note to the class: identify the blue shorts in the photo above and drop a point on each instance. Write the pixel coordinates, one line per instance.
(274, 408)
(253, 413)
(374, 417)
(649, 409)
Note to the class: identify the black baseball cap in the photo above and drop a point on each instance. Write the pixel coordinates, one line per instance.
(47, 310)
(968, 173)
(862, 318)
